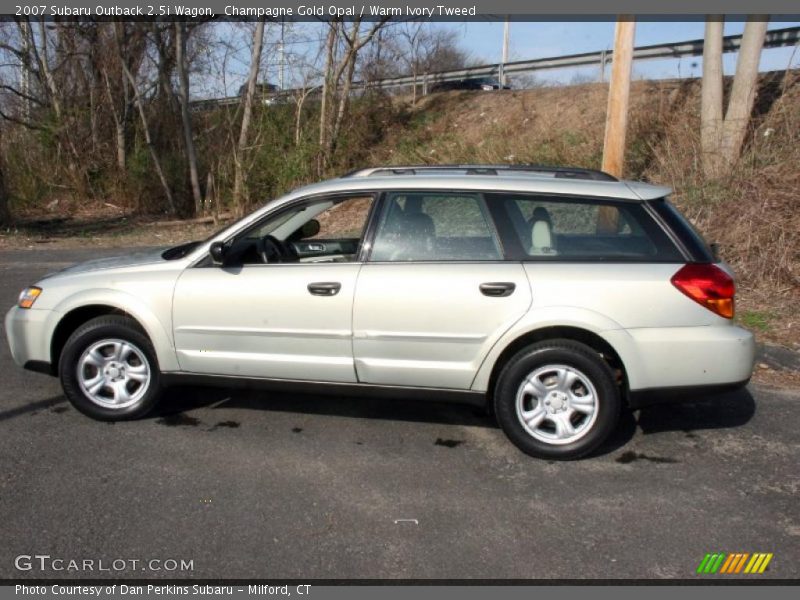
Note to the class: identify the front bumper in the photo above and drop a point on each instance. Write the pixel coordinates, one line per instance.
(28, 334)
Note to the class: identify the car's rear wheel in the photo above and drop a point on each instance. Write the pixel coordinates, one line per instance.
(109, 371)
(557, 399)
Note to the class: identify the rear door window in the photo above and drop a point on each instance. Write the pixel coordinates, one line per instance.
(435, 226)
(576, 229)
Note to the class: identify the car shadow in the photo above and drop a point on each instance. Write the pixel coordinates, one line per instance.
(728, 410)
(182, 399)
(719, 411)
(32, 408)
(722, 411)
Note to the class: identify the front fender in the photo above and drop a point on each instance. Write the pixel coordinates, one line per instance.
(559, 316)
(157, 329)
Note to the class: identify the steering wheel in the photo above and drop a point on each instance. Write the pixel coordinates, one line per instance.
(271, 249)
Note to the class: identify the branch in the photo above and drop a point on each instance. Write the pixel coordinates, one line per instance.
(26, 124)
(22, 95)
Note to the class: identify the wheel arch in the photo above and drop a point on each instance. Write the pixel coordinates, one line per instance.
(78, 309)
(490, 370)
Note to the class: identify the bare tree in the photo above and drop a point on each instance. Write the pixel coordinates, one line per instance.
(186, 117)
(247, 101)
(413, 34)
(722, 138)
(428, 50)
(128, 47)
(333, 89)
(148, 138)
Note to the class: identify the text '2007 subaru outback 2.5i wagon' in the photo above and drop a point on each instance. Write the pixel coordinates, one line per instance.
(553, 295)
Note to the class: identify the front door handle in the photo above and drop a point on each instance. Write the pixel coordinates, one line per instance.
(324, 288)
(497, 289)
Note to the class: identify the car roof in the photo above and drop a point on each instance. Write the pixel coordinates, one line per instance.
(506, 182)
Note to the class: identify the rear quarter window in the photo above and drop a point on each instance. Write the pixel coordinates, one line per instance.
(682, 229)
(550, 228)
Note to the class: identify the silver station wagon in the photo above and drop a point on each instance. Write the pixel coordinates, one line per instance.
(554, 296)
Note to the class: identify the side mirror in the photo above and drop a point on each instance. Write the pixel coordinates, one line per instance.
(309, 229)
(217, 252)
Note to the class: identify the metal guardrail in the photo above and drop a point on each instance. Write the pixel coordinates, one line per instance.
(775, 38)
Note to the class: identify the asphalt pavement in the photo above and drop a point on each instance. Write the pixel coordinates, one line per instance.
(249, 484)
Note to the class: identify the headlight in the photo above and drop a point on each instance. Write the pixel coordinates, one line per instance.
(28, 296)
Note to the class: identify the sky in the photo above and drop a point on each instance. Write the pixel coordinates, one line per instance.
(528, 40)
(544, 39)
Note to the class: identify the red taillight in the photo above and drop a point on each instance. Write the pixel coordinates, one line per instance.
(707, 285)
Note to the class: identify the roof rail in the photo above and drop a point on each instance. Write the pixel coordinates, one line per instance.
(557, 172)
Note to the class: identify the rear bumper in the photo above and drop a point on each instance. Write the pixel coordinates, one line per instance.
(684, 358)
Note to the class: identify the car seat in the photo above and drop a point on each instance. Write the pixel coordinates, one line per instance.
(542, 239)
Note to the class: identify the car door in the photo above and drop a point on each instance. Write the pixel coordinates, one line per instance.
(435, 294)
(289, 318)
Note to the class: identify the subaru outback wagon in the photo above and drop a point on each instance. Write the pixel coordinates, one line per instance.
(554, 296)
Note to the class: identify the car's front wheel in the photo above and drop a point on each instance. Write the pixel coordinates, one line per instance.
(109, 371)
(557, 399)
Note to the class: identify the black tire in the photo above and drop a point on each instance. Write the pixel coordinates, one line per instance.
(101, 328)
(576, 356)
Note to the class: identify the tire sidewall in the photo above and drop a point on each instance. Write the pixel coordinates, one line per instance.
(94, 331)
(569, 354)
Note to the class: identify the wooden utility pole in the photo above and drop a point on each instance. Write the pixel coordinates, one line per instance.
(618, 96)
(617, 113)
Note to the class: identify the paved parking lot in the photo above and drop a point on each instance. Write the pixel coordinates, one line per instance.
(249, 484)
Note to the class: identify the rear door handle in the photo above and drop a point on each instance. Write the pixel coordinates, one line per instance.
(497, 289)
(324, 288)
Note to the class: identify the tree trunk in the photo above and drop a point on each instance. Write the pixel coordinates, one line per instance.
(711, 100)
(298, 117)
(183, 79)
(255, 62)
(148, 139)
(5, 213)
(340, 112)
(327, 84)
(743, 94)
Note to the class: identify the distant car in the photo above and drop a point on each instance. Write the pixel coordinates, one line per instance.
(484, 83)
(262, 89)
(267, 93)
(553, 294)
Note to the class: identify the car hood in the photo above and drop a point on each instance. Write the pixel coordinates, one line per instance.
(144, 257)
